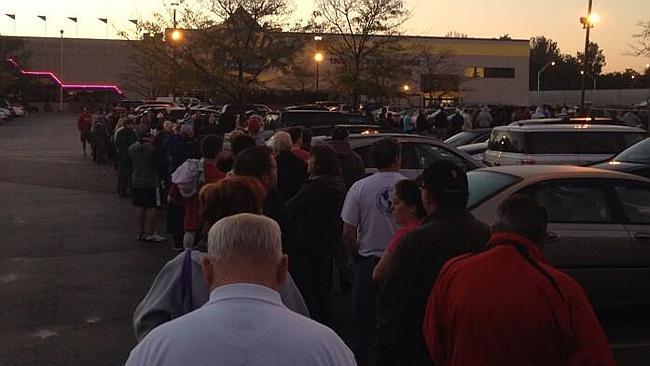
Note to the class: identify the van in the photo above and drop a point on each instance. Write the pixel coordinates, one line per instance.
(559, 144)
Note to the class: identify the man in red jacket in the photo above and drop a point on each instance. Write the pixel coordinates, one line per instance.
(84, 124)
(507, 306)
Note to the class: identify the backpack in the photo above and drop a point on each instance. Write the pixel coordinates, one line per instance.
(189, 177)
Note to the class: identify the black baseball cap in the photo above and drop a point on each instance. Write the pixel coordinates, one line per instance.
(445, 177)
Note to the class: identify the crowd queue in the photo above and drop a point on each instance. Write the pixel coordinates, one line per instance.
(261, 230)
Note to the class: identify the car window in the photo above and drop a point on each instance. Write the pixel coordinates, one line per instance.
(407, 157)
(506, 141)
(426, 154)
(639, 153)
(635, 199)
(598, 142)
(485, 184)
(573, 201)
(551, 143)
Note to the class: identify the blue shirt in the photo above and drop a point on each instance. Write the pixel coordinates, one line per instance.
(242, 324)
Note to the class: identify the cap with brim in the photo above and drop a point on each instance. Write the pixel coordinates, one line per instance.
(444, 176)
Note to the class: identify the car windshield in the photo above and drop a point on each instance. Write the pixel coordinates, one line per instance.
(459, 139)
(639, 153)
(485, 184)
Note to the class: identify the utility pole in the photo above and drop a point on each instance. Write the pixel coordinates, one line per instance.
(61, 76)
(587, 23)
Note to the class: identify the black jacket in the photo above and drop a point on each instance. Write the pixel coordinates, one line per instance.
(316, 212)
(275, 208)
(292, 173)
(351, 163)
(415, 267)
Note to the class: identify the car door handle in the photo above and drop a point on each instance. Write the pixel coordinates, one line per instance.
(645, 236)
(551, 237)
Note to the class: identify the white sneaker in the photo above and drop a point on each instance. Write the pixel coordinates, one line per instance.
(155, 238)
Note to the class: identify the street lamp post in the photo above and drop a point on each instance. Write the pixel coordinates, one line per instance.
(318, 57)
(176, 37)
(587, 22)
(540, 72)
(61, 74)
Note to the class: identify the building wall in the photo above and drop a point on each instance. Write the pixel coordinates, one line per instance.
(97, 61)
(616, 97)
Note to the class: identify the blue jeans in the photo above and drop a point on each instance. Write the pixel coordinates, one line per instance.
(363, 298)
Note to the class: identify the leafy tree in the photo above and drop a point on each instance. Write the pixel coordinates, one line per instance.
(596, 59)
(240, 46)
(542, 52)
(455, 34)
(362, 32)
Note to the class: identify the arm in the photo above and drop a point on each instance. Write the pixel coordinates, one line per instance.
(590, 343)
(350, 239)
(382, 268)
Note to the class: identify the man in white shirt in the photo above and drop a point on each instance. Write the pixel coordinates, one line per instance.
(244, 322)
(368, 226)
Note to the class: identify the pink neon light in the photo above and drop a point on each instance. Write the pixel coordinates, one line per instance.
(61, 84)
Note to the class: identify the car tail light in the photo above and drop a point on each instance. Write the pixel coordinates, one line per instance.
(528, 162)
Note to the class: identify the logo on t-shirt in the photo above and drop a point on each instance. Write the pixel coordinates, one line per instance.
(383, 201)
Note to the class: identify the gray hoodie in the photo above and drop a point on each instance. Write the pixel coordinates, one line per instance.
(163, 301)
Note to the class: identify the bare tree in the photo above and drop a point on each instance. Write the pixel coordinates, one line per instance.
(642, 47)
(361, 32)
(440, 72)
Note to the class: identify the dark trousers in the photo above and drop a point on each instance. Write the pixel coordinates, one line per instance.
(363, 298)
(174, 220)
(313, 275)
(124, 176)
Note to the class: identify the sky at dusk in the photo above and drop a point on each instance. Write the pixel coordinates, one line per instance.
(522, 19)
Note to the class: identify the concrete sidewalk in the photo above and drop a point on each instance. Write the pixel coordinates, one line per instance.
(71, 271)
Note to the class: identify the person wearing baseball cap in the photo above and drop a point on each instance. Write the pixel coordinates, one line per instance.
(449, 230)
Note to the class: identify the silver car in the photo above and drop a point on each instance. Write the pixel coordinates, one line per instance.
(599, 223)
(418, 152)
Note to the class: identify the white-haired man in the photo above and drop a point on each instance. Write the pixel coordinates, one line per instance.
(244, 322)
(292, 170)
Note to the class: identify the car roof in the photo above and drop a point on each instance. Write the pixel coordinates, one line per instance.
(569, 127)
(566, 171)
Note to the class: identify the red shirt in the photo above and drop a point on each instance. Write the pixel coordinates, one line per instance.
(191, 206)
(302, 154)
(400, 234)
(84, 123)
(496, 308)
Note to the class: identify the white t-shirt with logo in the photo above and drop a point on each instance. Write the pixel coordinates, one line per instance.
(367, 206)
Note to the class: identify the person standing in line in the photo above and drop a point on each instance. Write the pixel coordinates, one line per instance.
(315, 211)
(441, 123)
(296, 141)
(368, 225)
(84, 124)
(211, 148)
(292, 170)
(421, 123)
(408, 210)
(484, 117)
(125, 136)
(508, 306)
(467, 120)
(449, 230)
(145, 190)
(176, 290)
(407, 123)
(244, 321)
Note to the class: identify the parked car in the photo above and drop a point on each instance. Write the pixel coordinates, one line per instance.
(477, 151)
(317, 118)
(418, 152)
(598, 223)
(571, 144)
(469, 137)
(130, 104)
(568, 120)
(634, 160)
